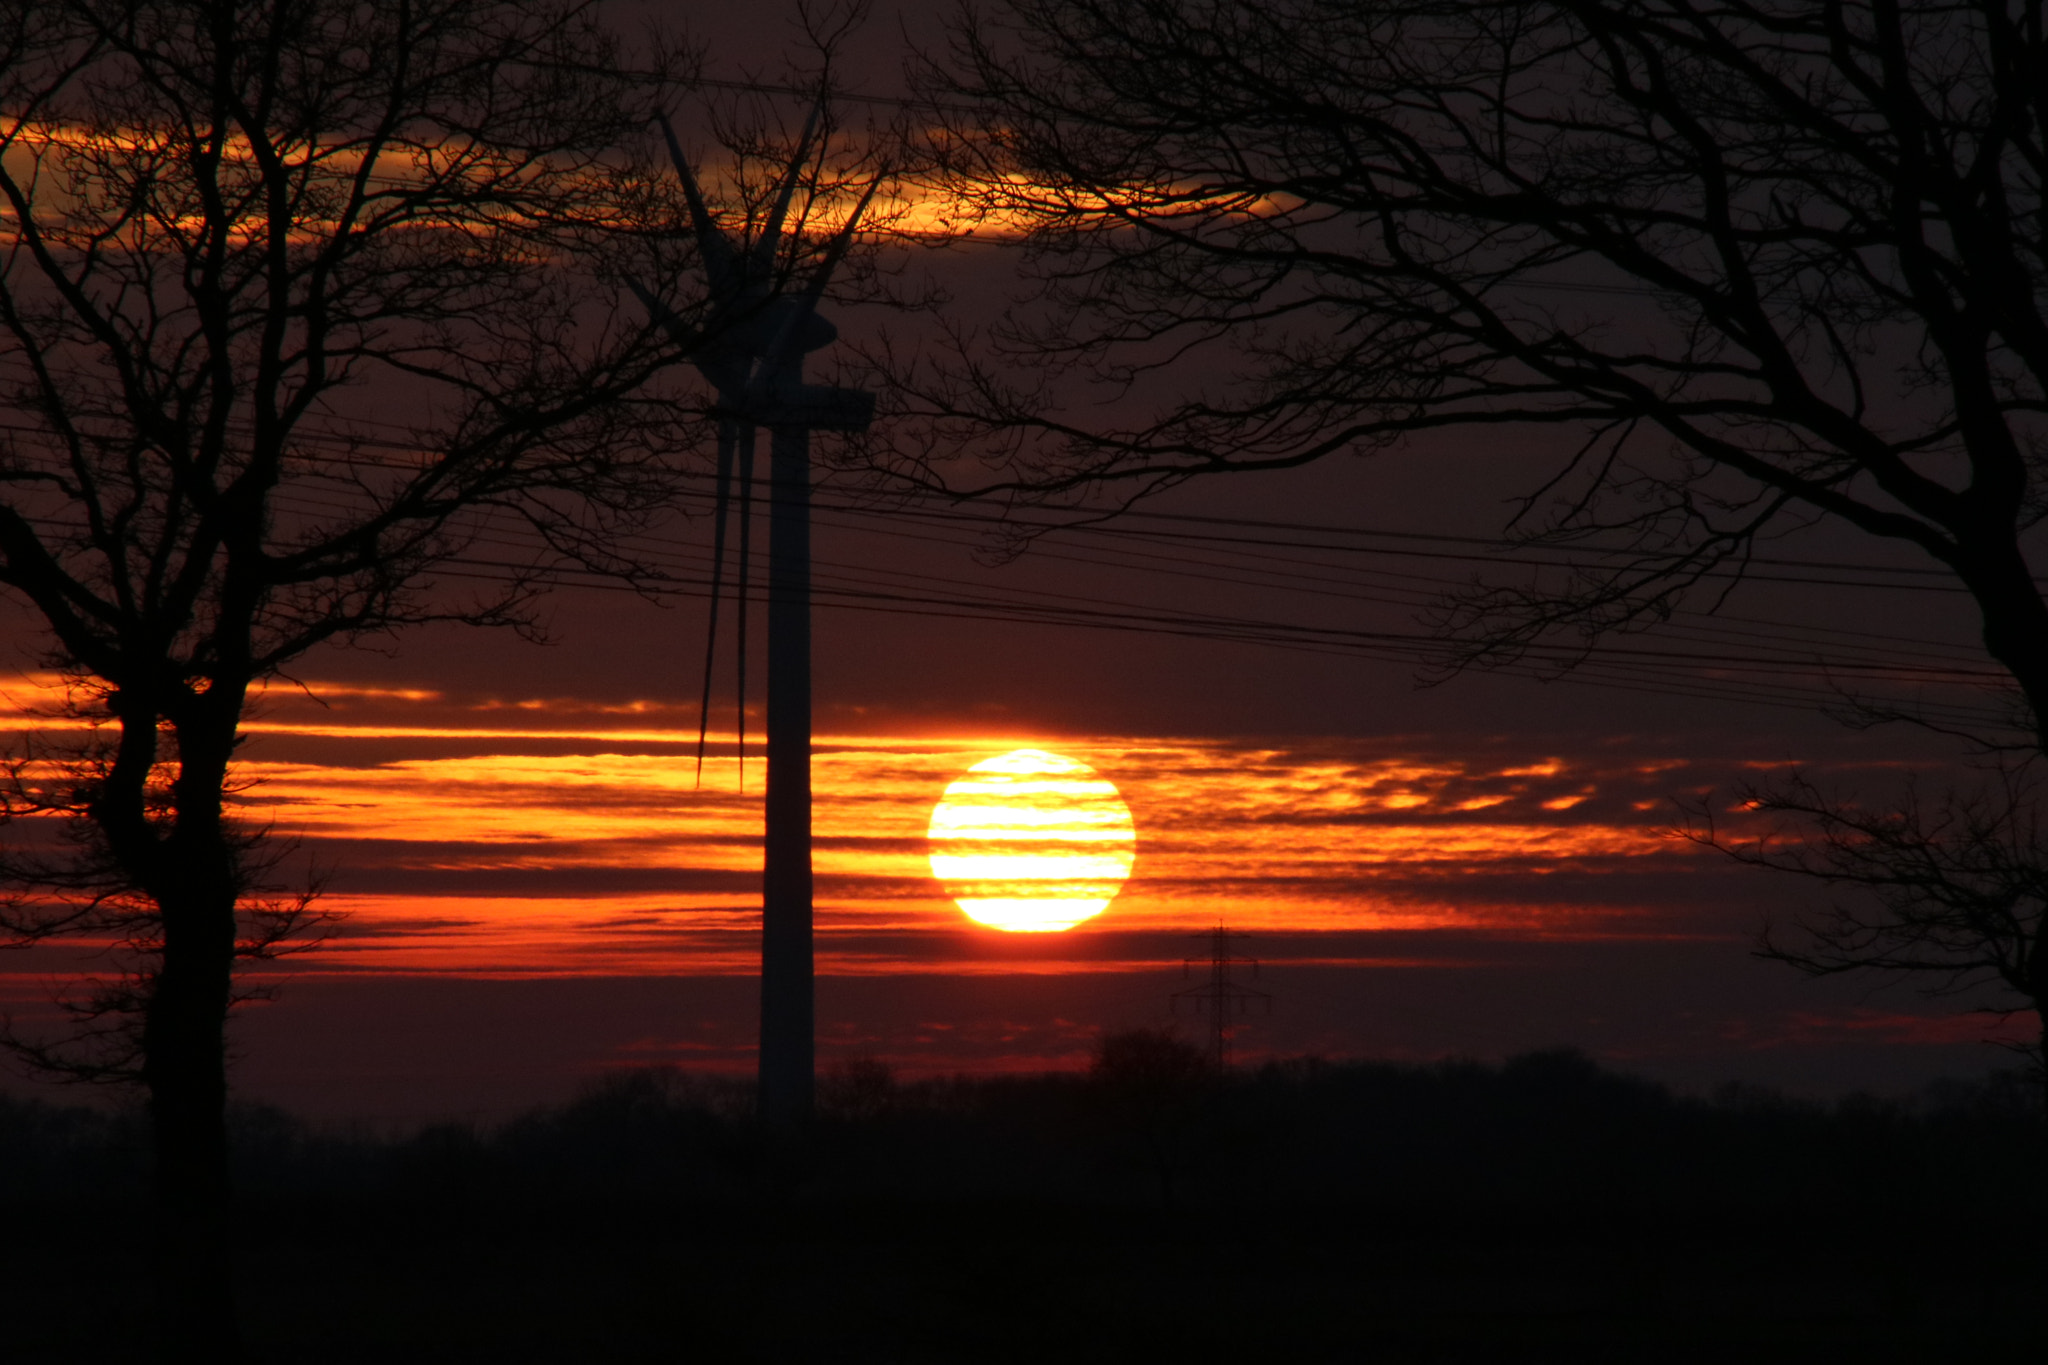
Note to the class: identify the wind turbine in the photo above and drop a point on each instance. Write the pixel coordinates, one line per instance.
(751, 349)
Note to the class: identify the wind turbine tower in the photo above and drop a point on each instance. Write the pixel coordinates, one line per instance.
(751, 348)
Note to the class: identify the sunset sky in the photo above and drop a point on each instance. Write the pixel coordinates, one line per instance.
(533, 886)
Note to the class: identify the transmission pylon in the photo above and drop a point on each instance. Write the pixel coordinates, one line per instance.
(751, 347)
(1221, 999)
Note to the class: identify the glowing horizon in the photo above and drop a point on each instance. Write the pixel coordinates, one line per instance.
(509, 837)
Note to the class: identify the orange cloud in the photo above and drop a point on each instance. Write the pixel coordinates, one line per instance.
(584, 843)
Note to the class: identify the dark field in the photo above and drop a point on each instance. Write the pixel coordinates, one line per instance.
(1541, 1210)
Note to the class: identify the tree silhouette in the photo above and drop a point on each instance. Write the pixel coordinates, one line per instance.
(1948, 888)
(298, 301)
(1774, 264)
(1147, 1083)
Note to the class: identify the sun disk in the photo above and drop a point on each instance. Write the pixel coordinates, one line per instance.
(1031, 842)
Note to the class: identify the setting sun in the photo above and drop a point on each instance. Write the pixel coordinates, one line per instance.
(1031, 842)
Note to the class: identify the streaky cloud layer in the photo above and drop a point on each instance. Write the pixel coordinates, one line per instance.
(496, 839)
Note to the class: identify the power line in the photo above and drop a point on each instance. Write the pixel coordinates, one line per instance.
(856, 585)
(1626, 675)
(1660, 672)
(1873, 662)
(1522, 555)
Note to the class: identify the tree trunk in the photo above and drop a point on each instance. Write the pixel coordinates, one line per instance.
(186, 1073)
(195, 883)
(2041, 1069)
(2015, 625)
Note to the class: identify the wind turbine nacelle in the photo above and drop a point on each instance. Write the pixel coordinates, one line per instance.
(817, 406)
(763, 330)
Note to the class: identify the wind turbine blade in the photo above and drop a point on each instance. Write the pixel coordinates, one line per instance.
(664, 317)
(835, 252)
(719, 262)
(814, 289)
(762, 261)
(726, 440)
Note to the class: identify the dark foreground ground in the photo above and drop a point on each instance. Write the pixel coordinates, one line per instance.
(1539, 1211)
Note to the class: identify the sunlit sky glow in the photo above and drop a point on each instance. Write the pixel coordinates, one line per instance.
(995, 889)
(534, 886)
(458, 841)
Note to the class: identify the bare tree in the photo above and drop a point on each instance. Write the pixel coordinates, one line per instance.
(1947, 889)
(1149, 1084)
(298, 301)
(1774, 263)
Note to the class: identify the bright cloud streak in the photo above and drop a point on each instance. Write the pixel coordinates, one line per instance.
(582, 844)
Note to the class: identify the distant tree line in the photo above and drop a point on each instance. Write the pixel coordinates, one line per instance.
(1365, 1204)
(1545, 1131)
